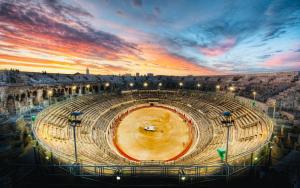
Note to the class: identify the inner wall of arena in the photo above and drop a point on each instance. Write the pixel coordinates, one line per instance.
(203, 112)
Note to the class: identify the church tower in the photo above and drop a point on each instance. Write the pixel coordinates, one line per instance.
(87, 71)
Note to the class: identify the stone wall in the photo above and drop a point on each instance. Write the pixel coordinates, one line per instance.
(19, 99)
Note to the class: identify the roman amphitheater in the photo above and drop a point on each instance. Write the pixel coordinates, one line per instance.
(140, 127)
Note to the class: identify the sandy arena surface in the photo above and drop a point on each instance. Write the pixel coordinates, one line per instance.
(171, 138)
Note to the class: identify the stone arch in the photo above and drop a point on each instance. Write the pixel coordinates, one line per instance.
(55, 92)
(17, 97)
(61, 92)
(29, 93)
(45, 96)
(96, 89)
(10, 104)
(34, 93)
(23, 97)
(35, 98)
(84, 90)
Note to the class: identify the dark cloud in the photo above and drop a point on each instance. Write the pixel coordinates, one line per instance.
(209, 36)
(62, 9)
(178, 42)
(258, 45)
(241, 29)
(279, 16)
(264, 56)
(268, 21)
(274, 32)
(121, 13)
(156, 10)
(213, 33)
(137, 3)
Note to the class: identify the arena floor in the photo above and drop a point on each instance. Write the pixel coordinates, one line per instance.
(171, 138)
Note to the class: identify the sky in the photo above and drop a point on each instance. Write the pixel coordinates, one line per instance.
(164, 37)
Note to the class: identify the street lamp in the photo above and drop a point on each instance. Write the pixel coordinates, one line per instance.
(106, 85)
(274, 109)
(118, 174)
(198, 85)
(145, 84)
(88, 86)
(270, 150)
(228, 122)
(254, 95)
(131, 84)
(232, 88)
(50, 93)
(218, 87)
(159, 84)
(74, 90)
(74, 122)
(182, 175)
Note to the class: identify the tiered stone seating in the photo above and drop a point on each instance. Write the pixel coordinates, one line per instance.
(250, 130)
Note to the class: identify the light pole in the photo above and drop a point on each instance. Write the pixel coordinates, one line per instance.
(145, 84)
(181, 174)
(131, 85)
(74, 90)
(159, 85)
(74, 122)
(218, 88)
(198, 86)
(270, 154)
(254, 95)
(50, 93)
(180, 86)
(228, 122)
(274, 109)
(106, 85)
(88, 88)
(270, 150)
(232, 89)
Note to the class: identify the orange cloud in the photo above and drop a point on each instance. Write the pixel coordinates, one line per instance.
(160, 61)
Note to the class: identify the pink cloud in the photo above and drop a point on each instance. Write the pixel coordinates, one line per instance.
(220, 48)
(284, 60)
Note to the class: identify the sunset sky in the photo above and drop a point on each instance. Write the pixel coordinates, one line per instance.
(169, 37)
